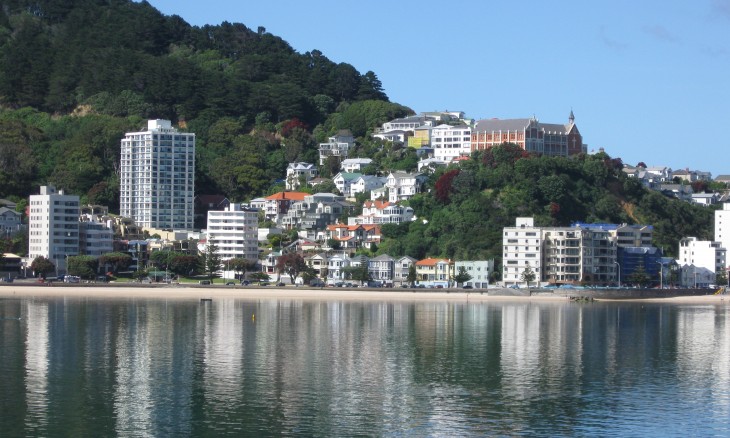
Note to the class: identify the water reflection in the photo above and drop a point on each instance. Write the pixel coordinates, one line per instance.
(158, 367)
(36, 367)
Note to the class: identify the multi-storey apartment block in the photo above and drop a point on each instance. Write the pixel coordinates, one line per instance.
(529, 134)
(450, 142)
(521, 247)
(234, 231)
(157, 183)
(53, 226)
(338, 146)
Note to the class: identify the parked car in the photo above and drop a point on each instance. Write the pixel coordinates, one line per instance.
(230, 283)
(204, 282)
(280, 284)
(245, 282)
(468, 286)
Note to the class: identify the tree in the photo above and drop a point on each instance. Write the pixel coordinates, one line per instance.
(182, 264)
(117, 261)
(259, 276)
(83, 266)
(463, 276)
(41, 266)
(291, 264)
(240, 265)
(528, 275)
(358, 273)
(721, 278)
(412, 275)
(639, 276)
(212, 261)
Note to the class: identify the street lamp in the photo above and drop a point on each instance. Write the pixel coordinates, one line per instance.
(619, 273)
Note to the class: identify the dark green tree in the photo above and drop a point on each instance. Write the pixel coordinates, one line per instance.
(412, 275)
(462, 276)
(528, 275)
(212, 261)
(41, 267)
(83, 266)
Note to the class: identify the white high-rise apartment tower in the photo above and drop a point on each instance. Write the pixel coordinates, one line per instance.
(722, 227)
(53, 226)
(158, 177)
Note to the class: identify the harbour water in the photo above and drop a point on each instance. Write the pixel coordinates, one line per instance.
(152, 367)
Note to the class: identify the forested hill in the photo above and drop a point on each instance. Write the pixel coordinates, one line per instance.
(76, 74)
(58, 54)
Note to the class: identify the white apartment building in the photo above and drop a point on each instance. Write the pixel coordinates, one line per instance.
(366, 183)
(53, 227)
(158, 177)
(521, 246)
(450, 142)
(700, 255)
(722, 226)
(234, 231)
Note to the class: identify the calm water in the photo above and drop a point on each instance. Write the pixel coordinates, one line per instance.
(85, 367)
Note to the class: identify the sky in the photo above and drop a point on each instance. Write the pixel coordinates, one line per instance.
(646, 80)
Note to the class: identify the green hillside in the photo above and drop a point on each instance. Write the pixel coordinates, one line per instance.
(76, 75)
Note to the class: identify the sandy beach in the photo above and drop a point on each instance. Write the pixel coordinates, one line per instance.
(302, 293)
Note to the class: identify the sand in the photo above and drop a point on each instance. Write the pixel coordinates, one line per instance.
(117, 291)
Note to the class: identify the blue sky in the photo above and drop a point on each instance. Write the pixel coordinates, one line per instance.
(647, 80)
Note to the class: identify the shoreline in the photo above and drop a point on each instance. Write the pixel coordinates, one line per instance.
(191, 291)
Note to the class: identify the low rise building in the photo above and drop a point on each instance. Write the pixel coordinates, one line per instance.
(479, 270)
(299, 174)
(434, 272)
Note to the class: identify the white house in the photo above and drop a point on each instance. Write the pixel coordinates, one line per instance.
(403, 185)
(366, 183)
(355, 165)
(336, 266)
(298, 173)
(401, 269)
(382, 269)
(344, 180)
(338, 146)
(382, 212)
